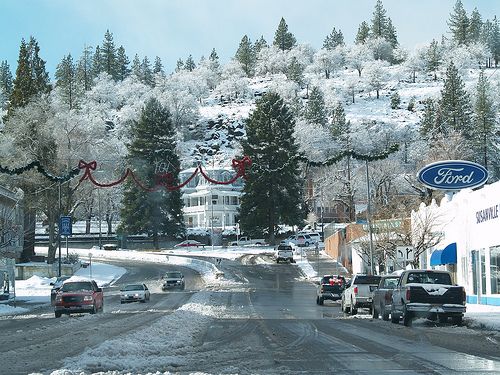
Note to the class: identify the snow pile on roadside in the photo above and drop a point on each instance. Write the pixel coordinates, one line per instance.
(11, 310)
(231, 253)
(162, 345)
(483, 316)
(103, 274)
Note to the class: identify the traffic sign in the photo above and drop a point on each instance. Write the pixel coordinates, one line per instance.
(65, 228)
(405, 253)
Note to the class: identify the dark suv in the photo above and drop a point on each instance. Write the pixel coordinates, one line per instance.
(330, 288)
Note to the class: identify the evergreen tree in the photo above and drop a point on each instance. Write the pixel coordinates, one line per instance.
(190, 65)
(40, 77)
(283, 39)
(379, 20)
(6, 83)
(259, 44)
(315, 112)
(108, 56)
(246, 56)
(66, 81)
(179, 65)
(137, 68)
(122, 63)
(495, 41)
(273, 189)
(97, 63)
(455, 105)
(395, 100)
(335, 39)
(484, 123)
(84, 69)
(152, 143)
(146, 72)
(475, 26)
(363, 33)
(158, 67)
(459, 24)
(295, 72)
(390, 34)
(339, 127)
(433, 60)
(429, 123)
(214, 61)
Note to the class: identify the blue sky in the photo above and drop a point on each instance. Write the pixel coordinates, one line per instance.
(175, 29)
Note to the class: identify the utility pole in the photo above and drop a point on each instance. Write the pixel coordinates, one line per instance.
(59, 230)
(99, 207)
(368, 219)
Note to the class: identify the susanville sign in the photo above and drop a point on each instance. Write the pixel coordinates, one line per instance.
(453, 175)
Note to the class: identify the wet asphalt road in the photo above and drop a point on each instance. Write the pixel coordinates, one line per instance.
(271, 325)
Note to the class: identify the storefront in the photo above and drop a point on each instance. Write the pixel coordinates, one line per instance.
(469, 222)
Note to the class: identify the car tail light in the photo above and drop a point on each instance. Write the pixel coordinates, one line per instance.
(464, 294)
(355, 290)
(408, 294)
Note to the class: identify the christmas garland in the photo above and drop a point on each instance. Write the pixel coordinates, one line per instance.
(365, 157)
(36, 165)
(163, 180)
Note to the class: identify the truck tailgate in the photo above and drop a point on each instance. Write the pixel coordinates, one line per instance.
(436, 294)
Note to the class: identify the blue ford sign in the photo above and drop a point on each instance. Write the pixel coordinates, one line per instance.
(453, 175)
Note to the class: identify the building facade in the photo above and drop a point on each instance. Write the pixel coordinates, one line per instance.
(208, 205)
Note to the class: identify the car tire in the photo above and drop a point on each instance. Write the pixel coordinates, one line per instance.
(353, 310)
(94, 310)
(385, 315)
(375, 313)
(321, 301)
(122, 302)
(317, 300)
(57, 314)
(394, 317)
(407, 317)
(442, 318)
(457, 320)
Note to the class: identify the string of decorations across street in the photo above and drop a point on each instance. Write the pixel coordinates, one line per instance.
(40, 169)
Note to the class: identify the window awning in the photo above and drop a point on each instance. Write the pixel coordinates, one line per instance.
(446, 256)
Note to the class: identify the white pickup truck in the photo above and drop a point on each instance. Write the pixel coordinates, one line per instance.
(242, 241)
(284, 253)
(359, 293)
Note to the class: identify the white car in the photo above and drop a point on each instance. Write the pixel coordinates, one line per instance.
(299, 240)
(315, 236)
(134, 292)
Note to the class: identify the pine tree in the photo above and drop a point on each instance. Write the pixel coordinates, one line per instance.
(475, 26)
(459, 24)
(433, 58)
(339, 128)
(153, 143)
(395, 100)
(97, 63)
(495, 41)
(429, 124)
(214, 61)
(363, 33)
(379, 20)
(108, 55)
(484, 122)
(259, 44)
(66, 81)
(84, 69)
(158, 67)
(146, 72)
(295, 72)
(455, 105)
(6, 83)
(136, 68)
(40, 76)
(315, 112)
(246, 56)
(273, 189)
(190, 65)
(333, 40)
(179, 65)
(122, 63)
(283, 39)
(390, 34)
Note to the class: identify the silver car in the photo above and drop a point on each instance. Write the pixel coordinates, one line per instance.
(134, 292)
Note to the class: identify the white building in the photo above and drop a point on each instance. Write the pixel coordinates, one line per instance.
(469, 222)
(206, 203)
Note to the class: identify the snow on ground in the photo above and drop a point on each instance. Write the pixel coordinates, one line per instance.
(483, 316)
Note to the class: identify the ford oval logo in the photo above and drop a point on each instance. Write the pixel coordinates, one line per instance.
(453, 175)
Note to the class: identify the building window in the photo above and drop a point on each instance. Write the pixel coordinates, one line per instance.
(495, 269)
(234, 201)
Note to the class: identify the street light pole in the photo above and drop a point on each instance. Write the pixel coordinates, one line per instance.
(99, 207)
(59, 230)
(368, 219)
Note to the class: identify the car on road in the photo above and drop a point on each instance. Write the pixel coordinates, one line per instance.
(56, 285)
(189, 243)
(314, 236)
(284, 253)
(382, 297)
(173, 279)
(79, 296)
(299, 240)
(110, 246)
(330, 288)
(134, 292)
(359, 293)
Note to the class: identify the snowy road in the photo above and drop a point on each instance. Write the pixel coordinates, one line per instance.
(265, 323)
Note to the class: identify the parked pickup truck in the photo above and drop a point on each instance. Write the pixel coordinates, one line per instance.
(284, 253)
(330, 288)
(359, 293)
(242, 241)
(78, 296)
(427, 293)
(382, 296)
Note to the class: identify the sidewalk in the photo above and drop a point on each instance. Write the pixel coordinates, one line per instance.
(485, 317)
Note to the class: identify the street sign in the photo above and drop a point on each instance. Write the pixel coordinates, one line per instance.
(405, 253)
(65, 227)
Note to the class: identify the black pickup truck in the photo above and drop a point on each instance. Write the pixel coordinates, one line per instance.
(427, 293)
(330, 288)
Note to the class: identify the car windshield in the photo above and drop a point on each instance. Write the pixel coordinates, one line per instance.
(367, 279)
(77, 286)
(173, 275)
(133, 287)
(284, 247)
(390, 283)
(429, 278)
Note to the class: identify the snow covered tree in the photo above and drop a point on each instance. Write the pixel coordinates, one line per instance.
(315, 111)
(395, 100)
(485, 139)
(327, 61)
(433, 58)
(84, 72)
(108, 55)
(430, 122)
(189, 65)
(295, 72)
(158, 66)
(179, 65)
(379, 20)
(97, 62)
(152, 146)
(363, 33)
(122, 64)
(259, 44)
(273, 189)
(459, 24)
(358, 56)
(136, 68)
(376, 76)
(146, 72)
(475, 26)
(66, 81)
(455, 104)
(333, 40)
(246, 56)
(381, 48)
(6, 83)
(283, 39)
(339, 128)
(390, 34)
(214, 63)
